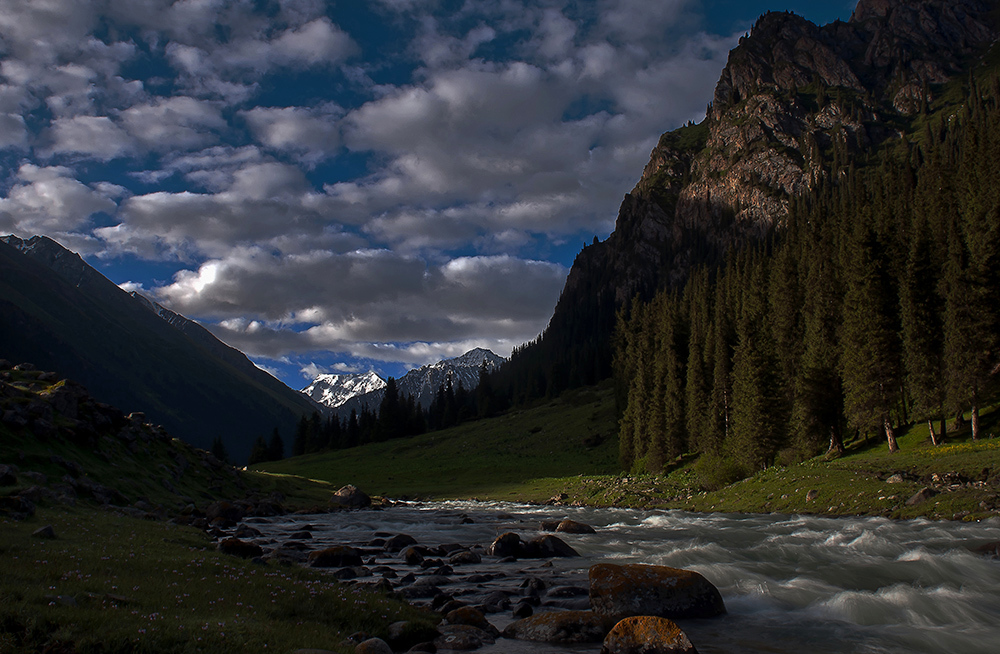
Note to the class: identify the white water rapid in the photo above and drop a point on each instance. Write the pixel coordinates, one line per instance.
(791, 584)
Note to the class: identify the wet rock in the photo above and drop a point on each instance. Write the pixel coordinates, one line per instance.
(567, 591)
(313, 651)
(467, 557)
(548, 547)
(560, 627)
(44, 532)
(622, 591)
(990, 550)
(405, 634)
(920, 496)
(301, 535)
(429, 648)
(573, 527)
(505, 545)
(350, 497)
(812, 495)
(373, 646)
(472, 617)
(412, 555)
(399, 542)
(227, 511)
(523, 610)
(240, 548)
(246, 531)
(647, 635)
(462, 638)
(339, 556)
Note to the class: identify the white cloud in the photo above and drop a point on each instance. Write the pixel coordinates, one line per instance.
(96, 136)
(50, 201)
(13, 132)
(313, 133)
(172, 124)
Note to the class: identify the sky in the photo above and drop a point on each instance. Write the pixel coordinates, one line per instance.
(347, 186)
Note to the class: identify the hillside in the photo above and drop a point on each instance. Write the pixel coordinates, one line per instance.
(62, 315)
(795, 104)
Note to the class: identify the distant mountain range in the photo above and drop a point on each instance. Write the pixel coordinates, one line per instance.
(348, 392)
(60, 314)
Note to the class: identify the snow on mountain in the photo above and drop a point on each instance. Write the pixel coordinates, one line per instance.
(350, 392)
(334, 390)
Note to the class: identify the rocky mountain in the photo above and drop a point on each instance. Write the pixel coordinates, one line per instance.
(421, 383)
(794, 102)
(62, 315)
(334, 390)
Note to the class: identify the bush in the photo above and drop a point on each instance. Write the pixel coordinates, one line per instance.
(715, 471)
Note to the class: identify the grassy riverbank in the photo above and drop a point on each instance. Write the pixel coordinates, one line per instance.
(109, 583)
(568, 448)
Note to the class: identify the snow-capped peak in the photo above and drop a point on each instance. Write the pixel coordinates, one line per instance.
(334, 390)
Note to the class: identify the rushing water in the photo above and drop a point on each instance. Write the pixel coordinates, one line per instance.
(791, 583)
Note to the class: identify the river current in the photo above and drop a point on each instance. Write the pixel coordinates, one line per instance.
(790, 583)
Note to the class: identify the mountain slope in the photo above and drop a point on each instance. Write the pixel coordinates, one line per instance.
(334, 390)
(60, 314)
(795, 101)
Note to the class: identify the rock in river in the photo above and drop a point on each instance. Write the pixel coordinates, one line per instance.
(622, 591)
(559, 627)
(647, 635)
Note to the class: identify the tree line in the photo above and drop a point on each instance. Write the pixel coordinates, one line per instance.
(877, 304)
(396, 416)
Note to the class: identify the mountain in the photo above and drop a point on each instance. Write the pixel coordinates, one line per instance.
(794, 102)
(342, 391)
(60, 314)
(334, 390)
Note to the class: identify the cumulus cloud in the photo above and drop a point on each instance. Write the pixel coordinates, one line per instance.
(177, 123)
(311, 132)
(96, 136)
(49, 200)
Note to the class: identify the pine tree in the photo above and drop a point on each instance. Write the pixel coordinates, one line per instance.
(258, 453)
(276, 446)
(219, 450)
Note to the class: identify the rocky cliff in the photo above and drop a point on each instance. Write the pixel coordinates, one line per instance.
(795, 102)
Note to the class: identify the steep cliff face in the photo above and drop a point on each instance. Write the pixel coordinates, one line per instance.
(794, 102)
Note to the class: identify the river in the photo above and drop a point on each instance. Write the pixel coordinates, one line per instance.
(790, 583)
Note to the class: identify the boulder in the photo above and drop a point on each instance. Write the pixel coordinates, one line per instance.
(8, 475)
(462, 638)
(989, 550)
(560, 627)
(573, 527)
(920, 496)
(405, 634)
(622, 591)
(225, 510)
(472, 617)
(647, 635)
(240, 548)
(548, 546)
(350, 497)
(398, 542)
(373, 646)
(465, 558)
(339, 556)
(44, 532)
(412, 555)
(508, 544)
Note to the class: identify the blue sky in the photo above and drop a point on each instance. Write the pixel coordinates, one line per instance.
(345, 186)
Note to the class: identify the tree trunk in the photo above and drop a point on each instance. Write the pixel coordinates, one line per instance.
(930, 428)
(890, 435)
(975, 415)
(836, 442)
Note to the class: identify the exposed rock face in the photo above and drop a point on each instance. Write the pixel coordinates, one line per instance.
(647, 635)
(794, 99)
(622, 591)
(350, 497)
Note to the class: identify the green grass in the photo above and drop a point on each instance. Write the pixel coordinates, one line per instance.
(506, 458)
(536, 454)
(109, 583)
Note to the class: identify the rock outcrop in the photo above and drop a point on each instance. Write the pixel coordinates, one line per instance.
(647, 635)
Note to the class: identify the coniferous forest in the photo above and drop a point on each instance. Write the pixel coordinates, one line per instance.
(876, 305)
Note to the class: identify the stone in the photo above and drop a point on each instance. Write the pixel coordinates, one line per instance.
(8, 475)
(920, 496)
(240, 548)
(462, 638)
(573, 527)
(339, 556)
(560, 627)
(548, 546)
(225, 510)
(350, 497)
(44, 532)
(989, 550)
(812, 495)
(468, 615)
(622, 591)
(523, 610)
(399, 542)
(373, 646)
(647, 635)
(404, 634)
(508, 544)
(895, 479)
(465, 558)
(412, 556)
